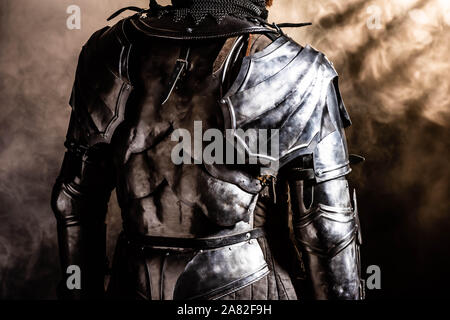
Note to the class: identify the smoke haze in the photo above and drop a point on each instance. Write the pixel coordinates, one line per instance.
(393, 58)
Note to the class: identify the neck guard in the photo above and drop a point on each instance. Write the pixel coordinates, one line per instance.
(198, 10)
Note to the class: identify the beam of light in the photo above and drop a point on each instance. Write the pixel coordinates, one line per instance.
(410, 29)
(395, 78)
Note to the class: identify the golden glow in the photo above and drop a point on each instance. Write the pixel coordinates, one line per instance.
(407, 58)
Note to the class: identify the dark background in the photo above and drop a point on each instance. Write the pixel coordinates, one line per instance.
(395, 81)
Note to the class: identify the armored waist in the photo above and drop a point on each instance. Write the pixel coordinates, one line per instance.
(212, 267)
(143, 243)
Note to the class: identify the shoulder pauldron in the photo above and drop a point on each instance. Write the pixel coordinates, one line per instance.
(292, 91)
(102, 85)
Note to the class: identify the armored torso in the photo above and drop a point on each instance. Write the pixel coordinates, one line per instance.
(189, 228)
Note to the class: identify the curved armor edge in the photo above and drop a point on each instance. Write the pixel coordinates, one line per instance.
(164, 27)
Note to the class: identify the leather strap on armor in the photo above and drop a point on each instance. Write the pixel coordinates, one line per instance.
(181, 66)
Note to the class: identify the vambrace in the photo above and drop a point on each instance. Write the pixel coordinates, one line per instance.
(80, 201)
(327, 230)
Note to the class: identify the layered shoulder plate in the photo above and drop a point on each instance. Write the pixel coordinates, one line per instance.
(102, 86)
(292, 93)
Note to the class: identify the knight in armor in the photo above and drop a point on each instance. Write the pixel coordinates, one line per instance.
(244, 231)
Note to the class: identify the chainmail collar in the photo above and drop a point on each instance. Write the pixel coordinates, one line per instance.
(198, 10)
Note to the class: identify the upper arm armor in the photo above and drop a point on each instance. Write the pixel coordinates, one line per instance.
(102, 86)
(330, 155)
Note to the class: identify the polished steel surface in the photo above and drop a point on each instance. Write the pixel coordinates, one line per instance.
(327, 231)
(294, 90)
(120, 136)
(215, 273)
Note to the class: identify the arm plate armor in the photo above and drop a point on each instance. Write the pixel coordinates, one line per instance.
(327, 230)
(80, 202)
(295, 90)
(82, 191)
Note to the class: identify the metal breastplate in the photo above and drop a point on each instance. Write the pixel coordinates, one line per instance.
(160, 198)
